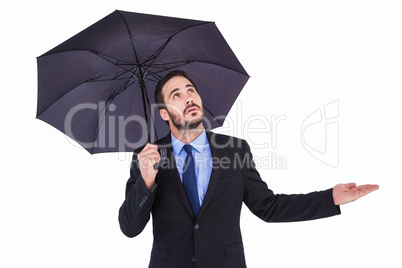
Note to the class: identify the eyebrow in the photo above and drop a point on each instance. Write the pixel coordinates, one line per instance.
(176, 89)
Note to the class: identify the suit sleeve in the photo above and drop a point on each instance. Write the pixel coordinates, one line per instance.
(135, 211)
(272, 207)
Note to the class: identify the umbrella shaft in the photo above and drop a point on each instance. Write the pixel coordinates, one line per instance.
(144, 98)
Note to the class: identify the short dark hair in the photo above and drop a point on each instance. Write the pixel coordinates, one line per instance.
(158, 96)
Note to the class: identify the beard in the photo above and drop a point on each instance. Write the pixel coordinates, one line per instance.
(193, 123)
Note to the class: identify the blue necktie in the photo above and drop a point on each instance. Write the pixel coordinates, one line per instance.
(190, 180)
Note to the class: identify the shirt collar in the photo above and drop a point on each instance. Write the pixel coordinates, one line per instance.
(200, 143)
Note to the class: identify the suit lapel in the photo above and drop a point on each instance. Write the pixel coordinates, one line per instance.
(215, 175)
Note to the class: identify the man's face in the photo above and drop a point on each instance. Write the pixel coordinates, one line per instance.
(184, 105)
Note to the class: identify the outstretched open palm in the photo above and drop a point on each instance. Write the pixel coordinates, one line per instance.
(345, 193)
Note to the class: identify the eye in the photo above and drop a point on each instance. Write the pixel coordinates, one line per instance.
(175, 96)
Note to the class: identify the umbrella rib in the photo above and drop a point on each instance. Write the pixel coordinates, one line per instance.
(129, 33)
(182, 63)
(220, 122)
(159, 51)
(90, 80)
(114, 61)
(108, 58)
(106, 108)
(162, 47)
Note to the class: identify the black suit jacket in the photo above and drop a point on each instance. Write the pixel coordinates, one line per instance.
(212, 239)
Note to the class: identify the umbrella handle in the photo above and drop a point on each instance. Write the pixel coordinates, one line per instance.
(163, 153)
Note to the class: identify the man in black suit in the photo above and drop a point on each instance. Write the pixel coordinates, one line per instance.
(200, 227)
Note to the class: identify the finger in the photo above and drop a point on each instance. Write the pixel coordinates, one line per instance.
(150, 146)
(144, 150)
(368, 188)
(363, 190)
(148, 161)
(155, 160)
(150, 153)
(149, 149)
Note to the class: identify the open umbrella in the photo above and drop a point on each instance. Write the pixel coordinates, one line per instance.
(97, 87)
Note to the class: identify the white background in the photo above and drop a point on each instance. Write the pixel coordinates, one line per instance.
(59, 204)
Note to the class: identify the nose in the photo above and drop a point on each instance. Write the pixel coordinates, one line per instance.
(189, 101)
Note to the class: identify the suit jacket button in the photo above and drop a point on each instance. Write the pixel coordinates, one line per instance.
(193, 258)
(197, 226)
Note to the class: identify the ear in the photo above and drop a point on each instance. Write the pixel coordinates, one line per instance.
(164, 114)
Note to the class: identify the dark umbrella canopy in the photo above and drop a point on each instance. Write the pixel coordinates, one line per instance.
(97, 87)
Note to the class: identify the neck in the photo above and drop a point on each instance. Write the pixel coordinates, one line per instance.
(187, 135)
